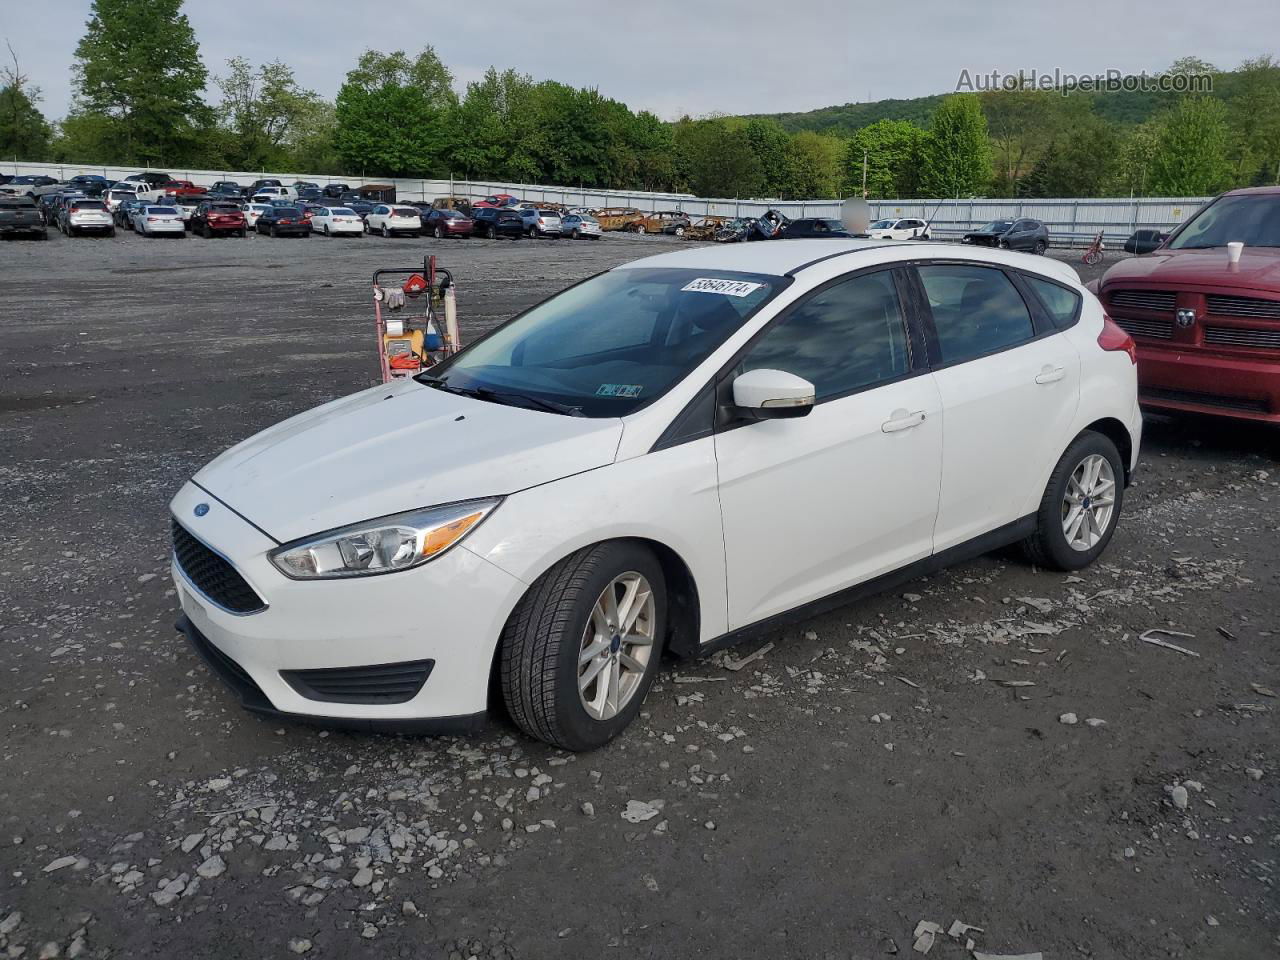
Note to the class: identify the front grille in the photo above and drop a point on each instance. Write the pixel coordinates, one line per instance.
(1151, 329)
(1243, 307)
(1245, 404)
(382, 683)
(1162, 300)
(212, 575)
(1242, 337)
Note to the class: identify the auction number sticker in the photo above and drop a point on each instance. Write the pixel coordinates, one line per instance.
(629, 390)
(729, 288)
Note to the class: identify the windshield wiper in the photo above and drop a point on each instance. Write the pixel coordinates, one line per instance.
(504, 397)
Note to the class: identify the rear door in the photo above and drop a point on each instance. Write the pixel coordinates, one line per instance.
(1009, 384)
(815, 504)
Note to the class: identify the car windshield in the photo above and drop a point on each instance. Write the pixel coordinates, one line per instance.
(997, 226)
(609, 345)
(882, 224)
(1253, 220)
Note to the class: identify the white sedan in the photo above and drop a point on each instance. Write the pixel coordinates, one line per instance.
(671, 455)
(158, 221)
(389, 219)
(900, 228)
(337, 221)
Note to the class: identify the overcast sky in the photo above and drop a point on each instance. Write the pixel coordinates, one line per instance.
(689, 56)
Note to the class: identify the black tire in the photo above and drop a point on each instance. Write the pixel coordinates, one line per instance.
(1004, 244)
(491, 233)
(111, 232)
(275, 234)
(1048, 546)
(438, 233)
(538, 658)
(574, 234)
(1039, 248)
(386, 234)
(325, 230)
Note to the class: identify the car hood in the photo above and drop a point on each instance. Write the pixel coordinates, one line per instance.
(397, 447)
(1259, 268)
(985, 233)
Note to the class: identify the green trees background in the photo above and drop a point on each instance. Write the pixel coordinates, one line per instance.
(143, 96)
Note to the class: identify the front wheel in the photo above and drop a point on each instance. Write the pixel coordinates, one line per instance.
(581, 649)
(1081, 505)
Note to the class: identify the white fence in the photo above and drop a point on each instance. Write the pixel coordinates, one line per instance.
(1070, 221)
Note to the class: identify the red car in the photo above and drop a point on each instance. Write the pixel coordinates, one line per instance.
(218, 216)
(497, 200)
(446, 223)
(182, 188)
(1207, 329)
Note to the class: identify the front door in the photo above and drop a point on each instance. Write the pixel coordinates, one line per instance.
(818, 503)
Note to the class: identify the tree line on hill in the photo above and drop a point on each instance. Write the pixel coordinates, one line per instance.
(140, 99)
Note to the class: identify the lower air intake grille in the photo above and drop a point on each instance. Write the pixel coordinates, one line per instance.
(383, 683)
(212, 575)
(1242, 337)
(1244, 404)
(1151, 329)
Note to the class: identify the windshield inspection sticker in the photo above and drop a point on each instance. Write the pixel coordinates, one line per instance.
(619, 390)
(730, 288)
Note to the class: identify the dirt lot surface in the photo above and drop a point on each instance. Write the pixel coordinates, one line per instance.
(874, 768)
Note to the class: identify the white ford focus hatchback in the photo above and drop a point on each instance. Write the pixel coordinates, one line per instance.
(665, 457)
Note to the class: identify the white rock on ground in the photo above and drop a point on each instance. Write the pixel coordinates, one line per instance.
(363, 877)
(1178, 794)
(299, 944)
(215, 866)
(1069, 719)
(59, 864)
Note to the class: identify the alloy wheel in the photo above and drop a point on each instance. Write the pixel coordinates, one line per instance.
(1088, 504)
(616, 645)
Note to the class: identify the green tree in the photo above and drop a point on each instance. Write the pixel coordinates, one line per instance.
(262, 110)
(393, 112)
(891, 150)
(769, 142)
(1021, 123)
(1084, 162)
(813, 165)
(957, 151)
(716, 160)
(24, 133)
(1192, 149)
(1254, 115)
(138, 66)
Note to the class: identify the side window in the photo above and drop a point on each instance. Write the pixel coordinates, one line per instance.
(850, 335)
(976, 310)
(1062, 304)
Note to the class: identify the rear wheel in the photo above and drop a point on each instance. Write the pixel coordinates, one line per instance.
(581, 649)
(574, 234)
(1081, 505)
(386, 234)
(678, 231)
(274, 232)
(491, 233)
(638, 228)
(1039, 248)
(438, 232)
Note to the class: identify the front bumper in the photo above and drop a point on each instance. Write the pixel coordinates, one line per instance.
(1203, 381)
(450, 611)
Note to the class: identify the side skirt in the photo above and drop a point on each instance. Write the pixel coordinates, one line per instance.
(1010, 533)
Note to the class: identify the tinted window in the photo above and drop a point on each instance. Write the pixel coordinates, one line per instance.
(407, 212)
(89, 205)
(171, 211)
(848, 336)
(1062, 304)
(976, 310)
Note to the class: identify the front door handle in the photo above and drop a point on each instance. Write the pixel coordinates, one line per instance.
(901, 420)
(1051, 374)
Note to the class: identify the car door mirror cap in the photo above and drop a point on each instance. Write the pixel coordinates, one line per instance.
(767, 394)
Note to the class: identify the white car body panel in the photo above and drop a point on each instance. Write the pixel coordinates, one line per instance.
(444, 448)
(394, 222)
(766, 516)
(157, 224)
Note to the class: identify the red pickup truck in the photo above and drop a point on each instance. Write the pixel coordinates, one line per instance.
(182, 188)
(1207, 328)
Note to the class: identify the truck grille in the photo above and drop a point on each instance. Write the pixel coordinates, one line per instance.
(1244, 307)
(212, 575)
(1242, 337)
(1161, 300)
(1151, 329)
(382, 683)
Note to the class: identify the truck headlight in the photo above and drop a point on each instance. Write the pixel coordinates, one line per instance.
(381, 545)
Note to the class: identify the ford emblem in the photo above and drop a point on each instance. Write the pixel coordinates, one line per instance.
(201, 509)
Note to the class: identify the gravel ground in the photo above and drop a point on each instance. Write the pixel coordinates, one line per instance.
(993, 745)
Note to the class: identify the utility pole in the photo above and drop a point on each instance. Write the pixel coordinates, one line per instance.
(864, 173)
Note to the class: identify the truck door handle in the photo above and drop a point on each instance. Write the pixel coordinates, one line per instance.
(1051, 374)
(901, 420)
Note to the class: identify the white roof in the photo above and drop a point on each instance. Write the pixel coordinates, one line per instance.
(779, 257)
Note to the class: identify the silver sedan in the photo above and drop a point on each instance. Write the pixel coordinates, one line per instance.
(156, 221)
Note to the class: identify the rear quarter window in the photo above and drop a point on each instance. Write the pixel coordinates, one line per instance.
(1062, 304)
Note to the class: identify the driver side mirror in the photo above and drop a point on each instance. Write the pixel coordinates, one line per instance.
(772, 394)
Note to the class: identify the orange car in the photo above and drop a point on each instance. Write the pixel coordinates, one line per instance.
(662, 221)
(617, 218)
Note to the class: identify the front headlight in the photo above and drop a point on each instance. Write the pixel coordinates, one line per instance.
(382, 545)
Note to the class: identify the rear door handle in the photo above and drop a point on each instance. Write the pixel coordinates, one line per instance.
(1051, 374)
(901, 420)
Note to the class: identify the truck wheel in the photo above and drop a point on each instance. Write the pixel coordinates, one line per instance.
(580, 651)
